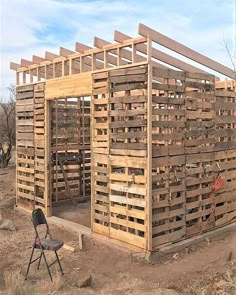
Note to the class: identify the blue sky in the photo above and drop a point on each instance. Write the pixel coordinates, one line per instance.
(32, 27)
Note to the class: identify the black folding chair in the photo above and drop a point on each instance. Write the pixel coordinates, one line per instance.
(45, 243)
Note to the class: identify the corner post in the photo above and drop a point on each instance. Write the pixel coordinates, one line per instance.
(149, 145)
(47, 142)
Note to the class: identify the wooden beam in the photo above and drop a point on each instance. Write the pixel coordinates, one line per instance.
(149, 147)
(80, 47)
(185, 51)
(226, 84)
(50, 56)
(37, 59)
(161, 56)
(14, 66)
(100, 43)
(65, 52)
(26, 63)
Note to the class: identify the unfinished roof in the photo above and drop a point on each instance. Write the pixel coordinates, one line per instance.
(125, 51)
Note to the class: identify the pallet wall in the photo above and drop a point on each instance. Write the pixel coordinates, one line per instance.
(30, 146)
(225, 155)
(119, 161)
(193, 138)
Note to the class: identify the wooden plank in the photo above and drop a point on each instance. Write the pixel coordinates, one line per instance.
(128, 201)
(126, 161)
(185, 51)
(76, 85)
(132, 213)
(159, 55)
(134, 189)
(170, 161)
(100, 229)
(170, 237)
(168, 87)
(168, 226)
(168, 73)
(126, 223)
(129, 238)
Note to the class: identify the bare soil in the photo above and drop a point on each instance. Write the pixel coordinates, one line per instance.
(205, 269)
(78, 212)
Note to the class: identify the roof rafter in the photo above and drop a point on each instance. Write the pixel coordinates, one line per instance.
(51, 56)
(37, 59)
(65, 52)
(14, 66)
(185, 51)
(157, 54)
(26, 63)
(100, 43)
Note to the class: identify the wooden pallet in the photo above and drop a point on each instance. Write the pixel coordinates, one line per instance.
(119, 143)
(183, 127)
(30, 166)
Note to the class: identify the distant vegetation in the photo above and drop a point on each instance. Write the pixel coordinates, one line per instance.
(7, 127)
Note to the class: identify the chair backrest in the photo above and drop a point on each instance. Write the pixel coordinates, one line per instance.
(38, 217)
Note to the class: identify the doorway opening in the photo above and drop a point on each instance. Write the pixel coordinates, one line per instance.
(70, 173)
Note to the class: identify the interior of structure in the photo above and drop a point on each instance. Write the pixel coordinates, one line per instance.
(71, 158)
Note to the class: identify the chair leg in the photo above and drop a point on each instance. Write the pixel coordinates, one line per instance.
(59, 263)
(28, 268)
(47, 265)
(39, 260)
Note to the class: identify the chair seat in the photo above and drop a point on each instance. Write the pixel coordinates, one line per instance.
(51, 245)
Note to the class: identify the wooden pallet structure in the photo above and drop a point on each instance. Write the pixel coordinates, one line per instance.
(142, 134)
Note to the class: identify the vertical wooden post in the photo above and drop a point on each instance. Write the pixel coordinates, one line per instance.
(54, 70)
(149, 145)
(24, 77)
(105, 59)
(83, 143)
(17, 78)
(93, 62)
(133, 53)
(46, 72)
(47, 144)
(118, 57)
(81, 64)
(31, 76)
(92, 155)
(37, 74)
(70, 66)
(63, 68)
(56, 143)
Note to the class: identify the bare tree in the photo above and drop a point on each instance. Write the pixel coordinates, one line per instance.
(7, 128)
(232, 58)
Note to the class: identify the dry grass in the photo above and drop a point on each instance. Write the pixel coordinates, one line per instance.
(15, 283)
(222, 283)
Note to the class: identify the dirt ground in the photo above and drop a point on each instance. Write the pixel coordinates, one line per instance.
(79, 213)
(205, 269)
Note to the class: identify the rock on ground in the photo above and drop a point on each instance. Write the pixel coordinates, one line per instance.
(7, 224)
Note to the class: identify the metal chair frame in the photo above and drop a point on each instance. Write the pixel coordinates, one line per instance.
(38, 218)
